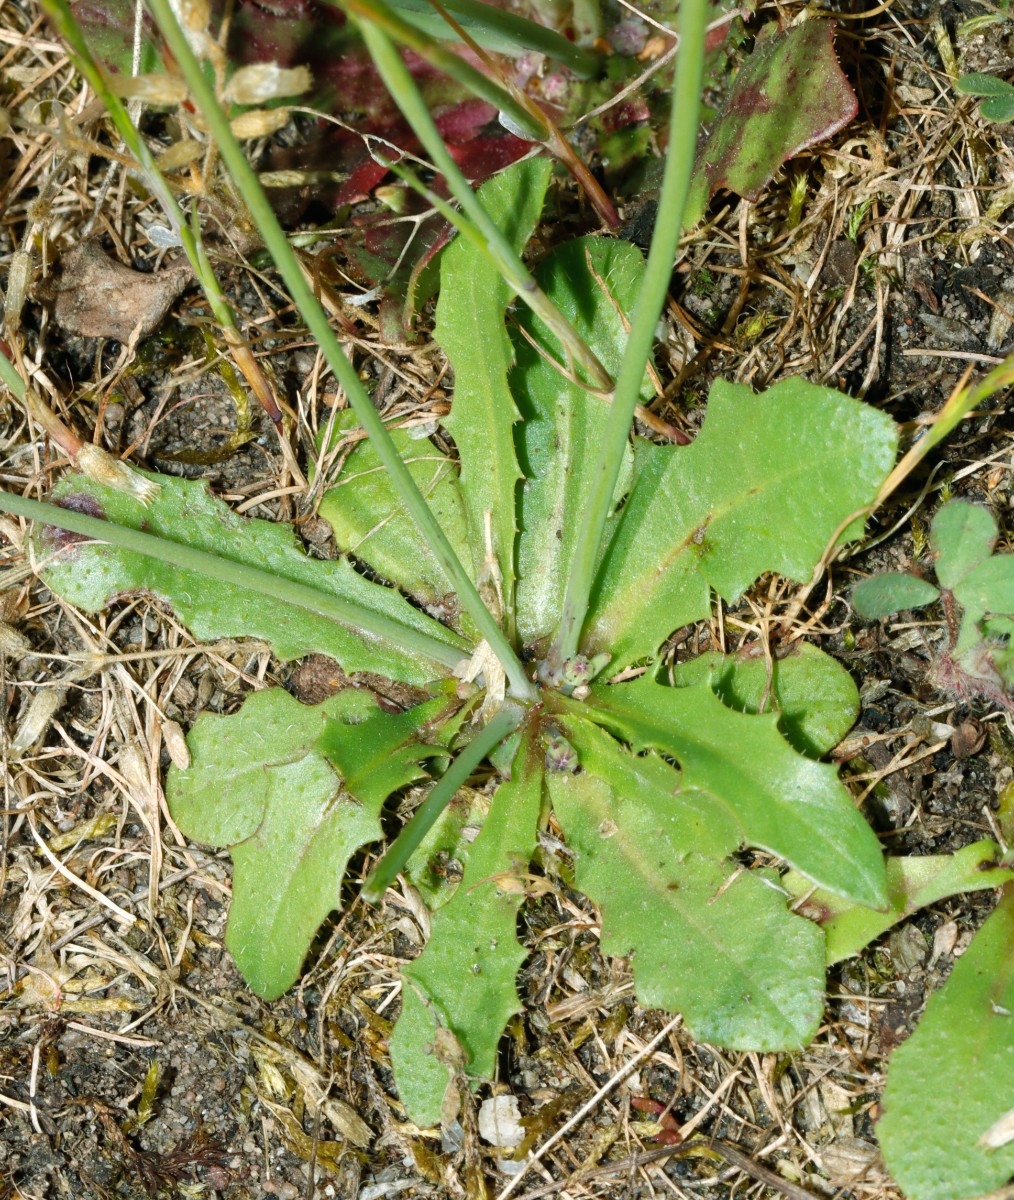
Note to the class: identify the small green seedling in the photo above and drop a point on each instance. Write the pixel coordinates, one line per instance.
(977, 593)
(996, 95)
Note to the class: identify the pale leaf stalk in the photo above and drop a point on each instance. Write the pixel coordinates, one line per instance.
(406, 843)
(669, 226)
(263, 215)
(234, 574)
(59, 13)
(402, 86)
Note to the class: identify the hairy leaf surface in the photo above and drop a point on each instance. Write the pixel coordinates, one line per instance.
(463, 981)
(950, 1086)
(651, 852)
(790, 805)
(470, 328)
(91, 575)
(788, 95)
(293, 792)
(763, 488)
(881, 595)
(594, 282)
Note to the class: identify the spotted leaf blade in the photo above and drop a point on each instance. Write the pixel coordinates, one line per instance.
(470, 328)
(769, 481)
(782, 802)
(950, 1086)
(91, 576)
(463, 982)
(293, 792)
(652, 854)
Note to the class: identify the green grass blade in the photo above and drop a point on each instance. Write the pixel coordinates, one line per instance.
(402, 86)
(275, 240)
(499, 31)
(237, 574)
(672, 202)
(486, 740)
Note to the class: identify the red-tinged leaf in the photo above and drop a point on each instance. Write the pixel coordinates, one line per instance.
(789, 95)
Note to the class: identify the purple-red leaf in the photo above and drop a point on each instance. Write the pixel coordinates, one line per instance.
(789, 94)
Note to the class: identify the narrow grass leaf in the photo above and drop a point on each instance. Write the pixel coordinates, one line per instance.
(91, 576)
(463, 982)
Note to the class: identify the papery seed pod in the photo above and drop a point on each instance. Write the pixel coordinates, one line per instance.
(17, 287)
(176, 743)
(152, 89)
(13, 643)
(282, 179)
(261, 122)
(43, 708)
(261, 82)
(180, 154)
(1001, 321)
(104, 468)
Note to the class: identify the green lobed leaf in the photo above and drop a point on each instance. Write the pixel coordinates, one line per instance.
(470, 328)
(912, 883)
(592, 281)
(650, 851)
(883, 595)
(766, 485)
(789, 94)
(91, 576)
(953, 1080)
(463, 981)
(785, 803)
(370, 521)
(815, 697)
(294, 791)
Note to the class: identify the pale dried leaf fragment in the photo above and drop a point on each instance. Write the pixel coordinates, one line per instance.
(999, 1133)
(261, 82)
(151, 89)
(95, 296)
(260, 122)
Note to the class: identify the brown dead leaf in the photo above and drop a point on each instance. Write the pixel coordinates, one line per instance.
(93, 295)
